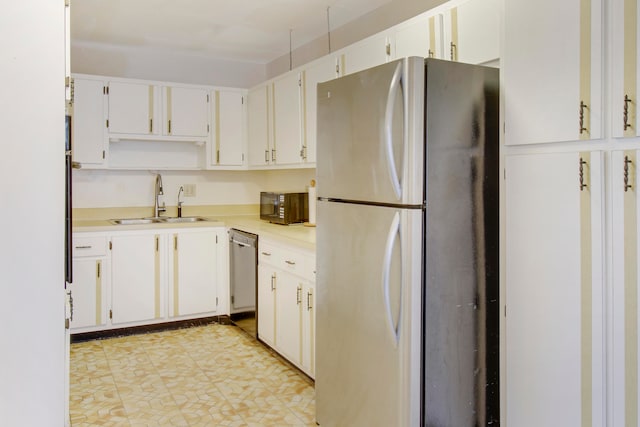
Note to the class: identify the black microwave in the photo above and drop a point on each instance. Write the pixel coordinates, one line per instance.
(284, 208)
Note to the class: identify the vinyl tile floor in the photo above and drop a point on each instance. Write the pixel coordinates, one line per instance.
(213, 375)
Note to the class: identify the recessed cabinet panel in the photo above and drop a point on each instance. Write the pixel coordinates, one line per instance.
(267, 285)
(259, 126)
(478, 30)
(370, 52)
(552, 67)
(133, 108)
(420, 38)
(287, 118)
(228, 127)
(186, 111)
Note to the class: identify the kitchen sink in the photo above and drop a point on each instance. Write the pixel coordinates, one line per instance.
(184, 219)
(157, 220)
(135, 221)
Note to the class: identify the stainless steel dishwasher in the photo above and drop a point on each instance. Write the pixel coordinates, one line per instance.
(243, 275)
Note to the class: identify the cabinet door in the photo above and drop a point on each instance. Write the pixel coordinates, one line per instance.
(625, 45)
(135, 278)
(228, 128)
(289, 296)
(287, 118)
(87, 291)
(259, 126)
(88, 133)
(473, 31)
(195, 285)
(370, 52)
(267, 282)
(186, 111)
(625, 257)
(421, 38)
(554, 289)
(308, 329)
(133, 108)
(552, 92)
(318, 72)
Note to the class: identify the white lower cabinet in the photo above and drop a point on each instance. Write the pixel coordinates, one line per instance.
(554, 312)
(286, 318)
(134, 278)
(194, 287)
(90, 274)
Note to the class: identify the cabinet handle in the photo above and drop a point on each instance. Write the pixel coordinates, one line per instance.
(150, 125)
(387, 49)
(581, 174)
(627, 186)
(266, 156)
(625, 115)
(299, 295)
(430, 53)
(169, 125)
(583, 106)
(84, 247)
(273, 154)
(290, 262)
(273, 282)
(266, 254)
(98, 269)
(309, 305)
(453, 53)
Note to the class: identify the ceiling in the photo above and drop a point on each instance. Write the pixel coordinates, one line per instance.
(244, 30)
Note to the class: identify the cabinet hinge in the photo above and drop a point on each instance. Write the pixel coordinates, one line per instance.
(505, 311)
(388, 49)
(105, 90)
(98, 270)
(207, 97)
(110, 314)
(218, 156)
(242, 157)
(207, 127)
(107, 123)
(110, 245)
(242, 100)
(233, 299)
(66, 3)
(504, 174)
(216, 301)
(216, 239)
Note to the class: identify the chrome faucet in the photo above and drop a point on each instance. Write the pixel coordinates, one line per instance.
(180, 191)
(157, 210)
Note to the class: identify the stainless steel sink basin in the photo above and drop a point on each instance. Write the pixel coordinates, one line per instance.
(135, 221)
(184, 219)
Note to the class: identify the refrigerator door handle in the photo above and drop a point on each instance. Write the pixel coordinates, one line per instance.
(394, 232)
(394, 86)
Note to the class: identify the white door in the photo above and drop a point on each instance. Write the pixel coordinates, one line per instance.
(478, 31)
(370, 52)
(308, 329)
(135, 277)
(88, 134)
(259, 136)
(88, 296)
(186, 111)
(554, 289)
(289, 316)
(229, 124)
(267, 283)
(551, 92)
(195, 286)
(287, 118)
(421, 38)
(625, 256)
(133, 108)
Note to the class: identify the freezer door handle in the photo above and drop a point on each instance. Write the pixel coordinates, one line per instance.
(394, 86)
(394, 233)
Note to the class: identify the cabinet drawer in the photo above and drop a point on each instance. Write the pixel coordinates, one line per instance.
(89, 246)
(293, 262)
(269, 254)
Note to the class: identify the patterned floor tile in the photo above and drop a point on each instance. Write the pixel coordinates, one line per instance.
(212, 375)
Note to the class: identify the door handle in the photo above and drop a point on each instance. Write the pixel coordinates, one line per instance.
(394, 231)
(394, 86)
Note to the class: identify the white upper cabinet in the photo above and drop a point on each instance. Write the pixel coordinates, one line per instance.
(472, 32)
(327, 68)
(88, 122)
(185, 111)
(624, 96)
(552, 67)
(228, 134)
(421, 37)
(133, 108)
(287, 119)
(370, 52)
(259, 126)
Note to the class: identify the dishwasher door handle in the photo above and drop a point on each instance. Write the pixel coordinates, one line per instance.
(241, 243)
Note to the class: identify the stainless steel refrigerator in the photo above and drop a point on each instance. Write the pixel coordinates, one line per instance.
(407, 246)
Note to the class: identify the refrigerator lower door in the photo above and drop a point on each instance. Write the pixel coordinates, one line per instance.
(368, 315)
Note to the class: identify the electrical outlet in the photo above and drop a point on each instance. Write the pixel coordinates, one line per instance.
(189, 190)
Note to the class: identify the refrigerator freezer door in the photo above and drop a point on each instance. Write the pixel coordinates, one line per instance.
(370, 135)
(368, 315)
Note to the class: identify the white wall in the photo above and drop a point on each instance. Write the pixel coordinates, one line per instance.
(144, 63)
(32, 250)
(101, 189)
